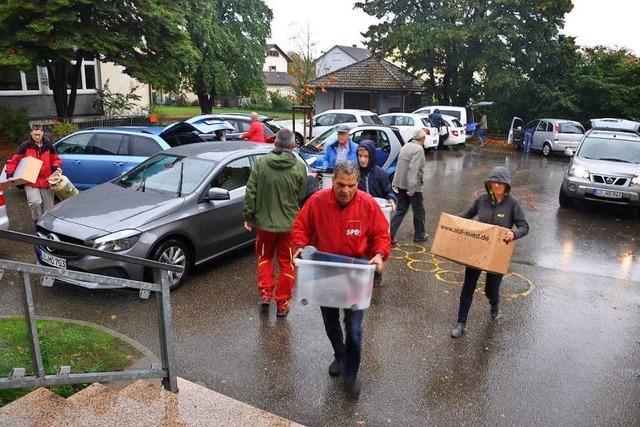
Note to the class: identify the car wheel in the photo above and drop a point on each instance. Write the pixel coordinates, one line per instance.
(546, 149)
(563, 199)
(299, 140)
(175, 252)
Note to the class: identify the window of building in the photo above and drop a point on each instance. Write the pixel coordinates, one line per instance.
(272, 68)
(86, 78)
(18, 82)
(273, 53)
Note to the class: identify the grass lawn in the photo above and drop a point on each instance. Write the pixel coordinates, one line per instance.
(83, 348)
(171, 113)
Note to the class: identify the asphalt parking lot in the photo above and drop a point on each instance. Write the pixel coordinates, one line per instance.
(566, 352)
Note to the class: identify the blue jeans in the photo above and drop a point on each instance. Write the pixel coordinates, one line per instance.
(346, 350)
(528, 140)
(479, 136)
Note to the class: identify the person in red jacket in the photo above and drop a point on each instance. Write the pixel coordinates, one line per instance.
(345, 221)
(256, 130)
(39, 194)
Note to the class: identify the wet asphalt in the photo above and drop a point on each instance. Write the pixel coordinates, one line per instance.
(565, 352)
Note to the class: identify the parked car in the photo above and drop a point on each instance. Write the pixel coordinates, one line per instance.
(182, 206)
(408, 123)
(549, 135)
(241, 123)
(456, 131)
(4, 218)
(388, 142)
(605, 168)
(93, 156)
(463, 114)
(208, 124)
(328, 119)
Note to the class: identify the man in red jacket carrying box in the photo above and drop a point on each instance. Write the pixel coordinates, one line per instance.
(344, 221)
(39, 194)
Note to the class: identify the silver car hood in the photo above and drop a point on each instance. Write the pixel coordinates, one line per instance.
(607, 167)
(110, 208)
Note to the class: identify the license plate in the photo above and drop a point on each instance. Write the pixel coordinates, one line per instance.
(608, 194)
(53, 261)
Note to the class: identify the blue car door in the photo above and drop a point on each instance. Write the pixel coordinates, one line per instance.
(73, 151)
(107, 158)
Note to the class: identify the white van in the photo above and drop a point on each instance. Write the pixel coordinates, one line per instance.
(463, 114)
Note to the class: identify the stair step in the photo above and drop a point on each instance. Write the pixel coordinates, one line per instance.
(38, 408)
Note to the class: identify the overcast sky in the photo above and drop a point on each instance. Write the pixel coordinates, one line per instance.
(611, 23)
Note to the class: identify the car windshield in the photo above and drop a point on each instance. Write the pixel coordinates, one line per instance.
(272, 125)
(317, 144)
(615, 150)
(167, 174)
(571, 128)
(372, 120)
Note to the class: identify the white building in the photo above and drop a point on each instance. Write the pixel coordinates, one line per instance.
(339, 57)
(275, 71)
(30, 90)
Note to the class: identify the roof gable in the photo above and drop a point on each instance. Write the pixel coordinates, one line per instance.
(276, 47)
(371, 73)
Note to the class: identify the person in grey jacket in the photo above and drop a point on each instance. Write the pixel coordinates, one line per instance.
(496, 207)
(408, 181)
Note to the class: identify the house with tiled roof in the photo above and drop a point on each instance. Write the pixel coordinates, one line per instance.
(339, 57)
(275, 71)
(370, 84)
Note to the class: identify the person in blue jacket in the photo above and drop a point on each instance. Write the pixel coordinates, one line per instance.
(375, 181)
(344, 149)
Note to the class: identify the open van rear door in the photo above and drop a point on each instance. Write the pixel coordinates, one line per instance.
(516, 132)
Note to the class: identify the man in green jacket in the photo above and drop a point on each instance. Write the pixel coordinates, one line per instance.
(275, 189)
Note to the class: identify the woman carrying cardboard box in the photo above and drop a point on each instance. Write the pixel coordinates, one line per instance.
(497, 207)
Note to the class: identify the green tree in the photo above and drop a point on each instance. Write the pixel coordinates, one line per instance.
(147, 37)
(302, 67)
(230, 36)
(457, 45)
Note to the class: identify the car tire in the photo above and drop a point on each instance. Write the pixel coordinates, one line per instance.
(546, 149)
(563, 199)
(175, 252)
(299, 140)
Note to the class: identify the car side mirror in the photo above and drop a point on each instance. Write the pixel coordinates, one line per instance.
(568, 152)
(216, 193)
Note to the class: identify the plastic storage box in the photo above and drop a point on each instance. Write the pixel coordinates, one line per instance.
(386, 207)
(334, 284)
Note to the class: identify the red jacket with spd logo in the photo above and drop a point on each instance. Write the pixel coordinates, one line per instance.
(358, 230)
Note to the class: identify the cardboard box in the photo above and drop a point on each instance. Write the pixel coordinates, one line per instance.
(26, 172)
(472, 243)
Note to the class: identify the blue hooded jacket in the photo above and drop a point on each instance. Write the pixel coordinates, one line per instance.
(373, 179)
(328, 161)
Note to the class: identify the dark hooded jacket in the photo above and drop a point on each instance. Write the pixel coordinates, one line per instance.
(436, 119)
(373, 179)
(507, 213)
(276, 187)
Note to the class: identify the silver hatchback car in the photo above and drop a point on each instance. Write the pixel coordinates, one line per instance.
(606, 168)
(182, 206)
(548, 135)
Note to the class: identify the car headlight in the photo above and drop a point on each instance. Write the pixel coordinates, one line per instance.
(579, 171)
(117, 242)
(636, 180)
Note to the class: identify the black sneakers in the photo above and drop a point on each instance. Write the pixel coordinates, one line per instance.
(335, 369)
(458, 330)
(352, 388)
(495, 311)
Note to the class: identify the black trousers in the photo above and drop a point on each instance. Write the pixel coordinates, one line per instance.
(346, 350)
(491, 290)
(417, 204)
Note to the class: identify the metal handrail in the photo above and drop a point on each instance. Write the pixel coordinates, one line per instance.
(166, 371)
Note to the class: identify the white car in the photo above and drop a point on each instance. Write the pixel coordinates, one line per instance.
(457, 133)
(327, 119)
(408, 123)
(4, 218)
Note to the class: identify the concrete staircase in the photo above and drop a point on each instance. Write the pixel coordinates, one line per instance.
(139, 404)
